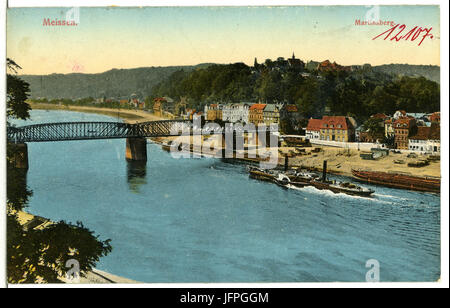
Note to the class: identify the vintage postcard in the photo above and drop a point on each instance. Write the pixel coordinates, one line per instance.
(223, 144)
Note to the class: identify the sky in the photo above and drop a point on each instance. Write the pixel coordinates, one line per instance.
(107, 38)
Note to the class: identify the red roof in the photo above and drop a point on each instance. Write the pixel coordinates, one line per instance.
(314, 124)
(403, 122)
(291, 108)
(257, 107)
(427, 133)
(336, 122)
(423, 133)
(435, 117)
(379, 116)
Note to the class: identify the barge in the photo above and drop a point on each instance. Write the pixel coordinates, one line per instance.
(401, 181)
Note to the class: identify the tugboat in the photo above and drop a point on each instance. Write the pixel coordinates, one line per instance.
(294, 178)
(262, 174)
(340, 187)
(343, 187)
(284, 181)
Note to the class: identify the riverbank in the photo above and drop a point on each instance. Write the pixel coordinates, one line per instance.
(93, 277)
(128, 115)
(340, 161)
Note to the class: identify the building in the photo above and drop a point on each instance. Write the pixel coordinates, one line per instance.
(426, 140)
(271, 114)
(213, 112)
(236, 113)
(399, 114)
(290, 112)
(328, 66)
(256, 114)
(313, 129)
(381, 116)
(435, 117)
(158, 104)
(402, 129)
(163, 105)
(240, 112)
(337, 128)
(296, 64)
(389, 131)
(226, 113)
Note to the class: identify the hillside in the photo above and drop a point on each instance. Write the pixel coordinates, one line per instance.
(431, 72)
(118, 83)
(113, 83)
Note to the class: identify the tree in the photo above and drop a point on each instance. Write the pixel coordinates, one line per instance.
(16, 94)
(40, 255)
(375, 127)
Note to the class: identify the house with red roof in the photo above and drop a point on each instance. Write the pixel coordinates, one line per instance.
(255, 113)
(403, 126)
(427, 139)
(313, 129)
(435, 117)
(337, 128)
(328, 66)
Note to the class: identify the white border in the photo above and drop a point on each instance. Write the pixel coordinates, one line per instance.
(444, 282)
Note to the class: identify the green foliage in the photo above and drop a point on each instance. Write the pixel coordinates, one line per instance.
(115, 83)
(39, 255)
(431, 72)
(359, 93)
(16, 94)
(375, 127)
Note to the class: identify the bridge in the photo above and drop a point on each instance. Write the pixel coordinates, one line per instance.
(135, 134)
(65, 131)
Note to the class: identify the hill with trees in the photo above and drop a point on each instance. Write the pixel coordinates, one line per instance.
(115, 83)
(358, 93)
(431, 72)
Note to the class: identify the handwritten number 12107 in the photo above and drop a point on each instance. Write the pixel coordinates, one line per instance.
(412, 35)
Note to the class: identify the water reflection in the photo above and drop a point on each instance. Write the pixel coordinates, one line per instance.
(136, 175)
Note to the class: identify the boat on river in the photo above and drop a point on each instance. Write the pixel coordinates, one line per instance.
(343, 187)
(293, 178)
(402, 181)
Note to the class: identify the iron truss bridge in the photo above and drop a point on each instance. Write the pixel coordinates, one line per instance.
(66, 131)
(95, 130)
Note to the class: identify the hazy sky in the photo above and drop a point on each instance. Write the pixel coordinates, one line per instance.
(107, 38)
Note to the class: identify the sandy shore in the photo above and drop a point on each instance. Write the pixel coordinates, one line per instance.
(341, 161)
(129, 115)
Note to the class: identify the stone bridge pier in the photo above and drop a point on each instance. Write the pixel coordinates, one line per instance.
(136, 149)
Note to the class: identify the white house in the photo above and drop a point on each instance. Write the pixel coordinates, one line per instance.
(235, 113)
(426, 140)
(313, 129)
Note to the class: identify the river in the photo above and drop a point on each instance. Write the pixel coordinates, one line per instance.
(204, 220)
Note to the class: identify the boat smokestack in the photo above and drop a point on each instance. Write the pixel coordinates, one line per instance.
(324, 170)
(286, 163)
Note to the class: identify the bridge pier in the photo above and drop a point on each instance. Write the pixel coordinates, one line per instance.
(20, 155)
(136, 149)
